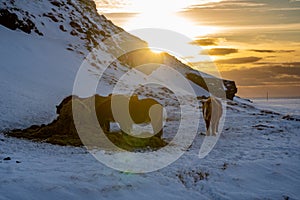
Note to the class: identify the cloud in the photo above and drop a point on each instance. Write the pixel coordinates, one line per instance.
(206, 42)
(265, 75)
(232, 5)
(284, 64)
(271, 51)
(110, 6)
(238, 13)
(221, 51)
(241, 60)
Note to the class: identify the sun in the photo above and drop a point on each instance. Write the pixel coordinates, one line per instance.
(162, 14)
(158, 6)
(156, 50)
(168, 21)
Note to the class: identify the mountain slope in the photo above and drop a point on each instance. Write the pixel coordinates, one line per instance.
(43, 44)
(39, 63)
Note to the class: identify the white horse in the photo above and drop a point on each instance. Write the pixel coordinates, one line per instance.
(212, 112)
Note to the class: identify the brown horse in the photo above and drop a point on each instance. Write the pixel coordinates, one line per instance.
(212, 112)
(127, 111)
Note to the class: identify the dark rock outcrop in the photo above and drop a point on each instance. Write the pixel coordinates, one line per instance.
(10, 20)
(231, 89)
(7, 158)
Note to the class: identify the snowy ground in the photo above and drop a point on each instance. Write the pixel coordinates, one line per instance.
(285, 106)
(256, 157)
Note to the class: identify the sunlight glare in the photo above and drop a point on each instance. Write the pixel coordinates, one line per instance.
(155, 50)
(169, 21)
(159, 6)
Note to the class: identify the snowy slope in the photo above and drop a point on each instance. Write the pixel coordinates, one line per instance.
(37, 72)
(44, 43)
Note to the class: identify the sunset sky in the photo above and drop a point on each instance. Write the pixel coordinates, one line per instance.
(256, 43)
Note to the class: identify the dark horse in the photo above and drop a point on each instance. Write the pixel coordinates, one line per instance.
(127, 111)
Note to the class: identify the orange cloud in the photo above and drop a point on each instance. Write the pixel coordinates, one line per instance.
(241, 60)
(206, 42)
(221, 51)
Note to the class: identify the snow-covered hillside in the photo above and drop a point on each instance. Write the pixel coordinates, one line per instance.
(38, 68)
(44, 43)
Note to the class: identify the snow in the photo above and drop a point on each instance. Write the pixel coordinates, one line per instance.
(246, 163)
(256, 156)
(280, 105)
(42, 74)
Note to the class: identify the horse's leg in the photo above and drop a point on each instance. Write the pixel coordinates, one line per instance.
(217, 122)
(213, 123)
(214, 127)
(217, 117)
(208, 125)
(208, 132)
(210, 129)
(156, 117)
(101, 123)
(107, 126)
(157, 130)
(217, 126)
(126, 126)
